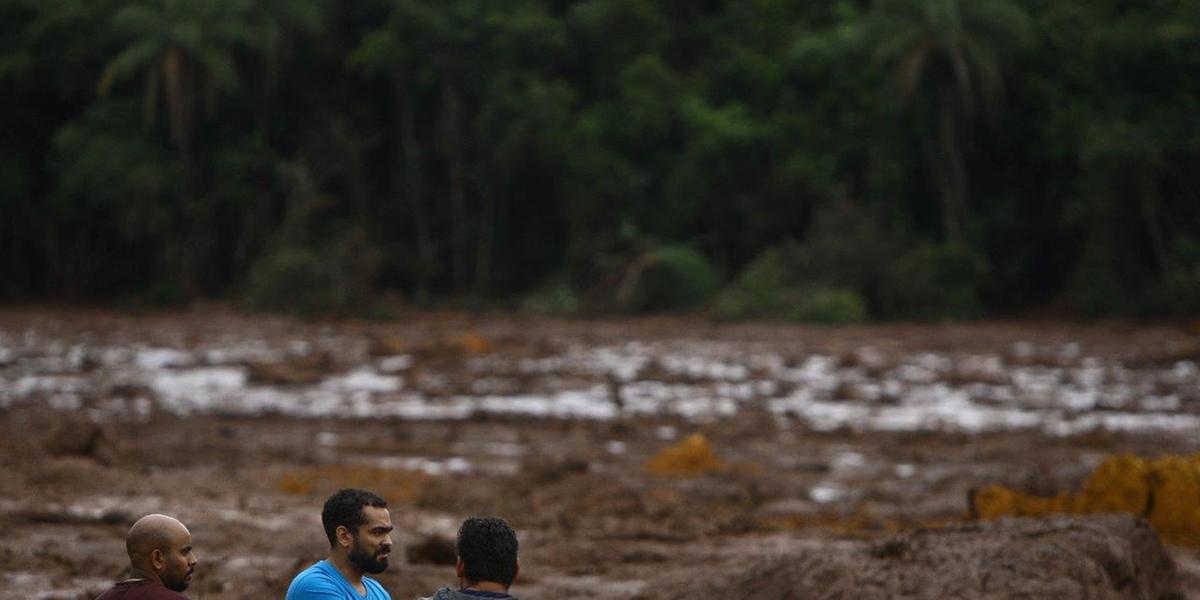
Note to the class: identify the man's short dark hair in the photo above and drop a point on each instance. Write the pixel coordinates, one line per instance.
(488, 549)
(344, 508)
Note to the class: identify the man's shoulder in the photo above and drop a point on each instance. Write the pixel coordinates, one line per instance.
(314, 578)
(446, 593)
(375, 589)
(140, 591)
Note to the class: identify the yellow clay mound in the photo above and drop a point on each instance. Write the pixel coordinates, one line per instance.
(691, 456)
(1165, 491)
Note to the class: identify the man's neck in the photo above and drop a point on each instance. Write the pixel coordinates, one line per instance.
(349, 570)
(486, 586)
(138, 573)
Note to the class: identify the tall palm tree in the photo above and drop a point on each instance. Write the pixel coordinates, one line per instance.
(184, 49)
(945, 61)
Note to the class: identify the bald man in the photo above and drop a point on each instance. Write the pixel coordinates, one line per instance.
(161, 561)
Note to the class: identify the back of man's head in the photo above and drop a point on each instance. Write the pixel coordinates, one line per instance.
(345, 508)
(487, 547)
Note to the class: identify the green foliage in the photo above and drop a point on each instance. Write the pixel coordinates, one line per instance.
(773, 287)
(294, 280)
(333, 279)
(471, 149)
(766, 288)
(829, 305)
(667, 278)
(1178, 295)
(934, 281)
(555, 297)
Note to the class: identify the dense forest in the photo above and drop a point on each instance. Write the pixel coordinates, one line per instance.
(828, 161)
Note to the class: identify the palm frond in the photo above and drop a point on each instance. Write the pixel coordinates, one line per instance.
(910, 71)
(219, 65)
(139, 20)
(378, 51)
(130, 60)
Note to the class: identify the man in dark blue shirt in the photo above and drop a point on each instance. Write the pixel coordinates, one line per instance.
(487, 561)
(358, 526)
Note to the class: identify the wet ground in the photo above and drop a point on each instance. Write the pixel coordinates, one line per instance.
(241, 425)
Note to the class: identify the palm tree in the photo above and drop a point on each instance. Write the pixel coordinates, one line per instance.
(945, 61)
(184, 48)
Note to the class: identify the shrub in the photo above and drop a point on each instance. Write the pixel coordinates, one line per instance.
(294, 280)
(770, 287)
(761, 290)
(552, 298)
(829, 305)
(665, 278)
(1177, 295)
(934, 281)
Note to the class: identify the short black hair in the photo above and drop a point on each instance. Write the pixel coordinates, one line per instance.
(488, 549)
(344, 508)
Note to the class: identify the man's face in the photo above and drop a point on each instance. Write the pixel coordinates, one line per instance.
(177, 562)
(372, 543)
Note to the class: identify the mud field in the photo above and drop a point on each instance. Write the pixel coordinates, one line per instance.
(826, 440)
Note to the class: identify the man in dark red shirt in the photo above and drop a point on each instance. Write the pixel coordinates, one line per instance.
(161, 561)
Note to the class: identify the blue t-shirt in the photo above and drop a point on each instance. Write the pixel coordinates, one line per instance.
(322, 581)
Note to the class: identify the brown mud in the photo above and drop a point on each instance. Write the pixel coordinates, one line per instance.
(593, 521)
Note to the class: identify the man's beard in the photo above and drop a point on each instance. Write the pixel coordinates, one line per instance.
(180, 584)
(367, 561)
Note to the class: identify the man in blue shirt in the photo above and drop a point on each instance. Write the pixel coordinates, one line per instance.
(358, 525)
(487, 561)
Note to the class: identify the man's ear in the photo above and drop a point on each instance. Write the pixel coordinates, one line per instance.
(516, 570)
(460, 568)
(344, 538)
(158, 560)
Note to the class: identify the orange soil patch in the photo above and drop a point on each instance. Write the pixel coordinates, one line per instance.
(691, 456)
(393, 485)
(1165, 491)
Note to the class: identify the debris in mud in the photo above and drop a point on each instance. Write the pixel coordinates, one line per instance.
(1111, 556)
(449, 348)
(1165, 491)
(76, 435)
(383, 346)
(301, 370)
(540, 469)
(433, 550)
(73, 515)
(691, 456)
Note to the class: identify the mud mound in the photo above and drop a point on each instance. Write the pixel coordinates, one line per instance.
(1112, 556)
